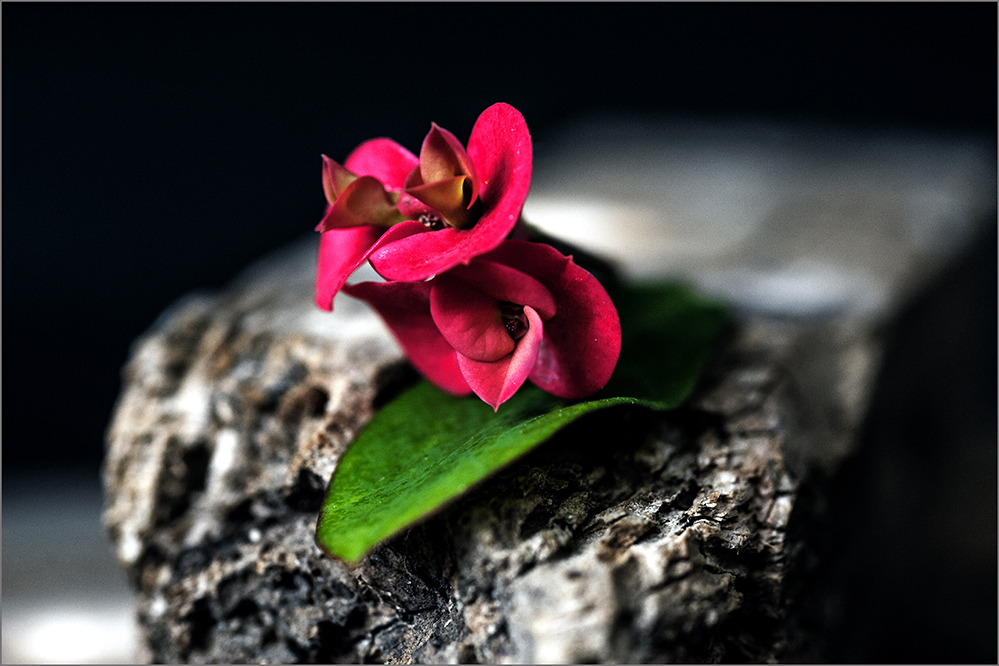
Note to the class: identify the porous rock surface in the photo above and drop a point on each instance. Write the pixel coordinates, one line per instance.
(632, 536)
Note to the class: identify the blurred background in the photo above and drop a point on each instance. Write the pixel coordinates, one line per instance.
(153, 149)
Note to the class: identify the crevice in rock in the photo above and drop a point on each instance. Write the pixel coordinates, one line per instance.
(183, 476)
(306, 493)
(200, 623)
(336, 641)
(303, 401)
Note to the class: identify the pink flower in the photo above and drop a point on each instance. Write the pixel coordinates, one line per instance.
(522, 311)
(414, 218)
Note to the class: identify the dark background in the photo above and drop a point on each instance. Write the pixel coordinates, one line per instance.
(153, 149)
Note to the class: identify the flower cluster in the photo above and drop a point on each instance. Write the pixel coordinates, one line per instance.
(475, 309)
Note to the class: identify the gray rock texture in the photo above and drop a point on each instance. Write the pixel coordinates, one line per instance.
(631, 536)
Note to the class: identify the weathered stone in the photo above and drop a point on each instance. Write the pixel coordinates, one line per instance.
(631, 536)
(664, 546)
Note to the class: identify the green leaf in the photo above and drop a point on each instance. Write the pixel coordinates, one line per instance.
(426, 447)
(667, 331)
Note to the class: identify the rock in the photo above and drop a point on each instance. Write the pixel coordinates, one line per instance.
(631, 536)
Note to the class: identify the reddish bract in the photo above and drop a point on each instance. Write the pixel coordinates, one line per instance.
(522, 311)
(441, 209)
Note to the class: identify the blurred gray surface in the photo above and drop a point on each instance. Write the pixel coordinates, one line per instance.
(786, 219)
(65, 599)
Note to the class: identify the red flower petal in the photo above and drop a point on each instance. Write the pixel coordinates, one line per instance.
(384, 159)
(342, 251)
(405, 308)
(496, 382)
(504, 283)
(469, 320)
(583, 341)
(500, 149)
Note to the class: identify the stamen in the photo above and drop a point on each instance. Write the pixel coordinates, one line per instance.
(431, 222)
(514, 320)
